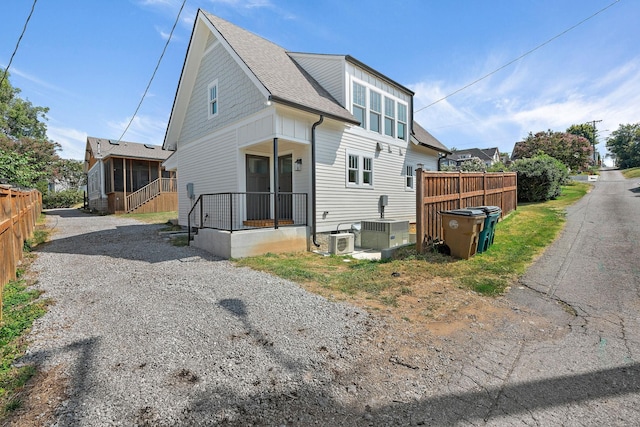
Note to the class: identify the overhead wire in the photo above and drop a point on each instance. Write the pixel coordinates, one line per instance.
(154, 72)
(24, 29)
(517, 59)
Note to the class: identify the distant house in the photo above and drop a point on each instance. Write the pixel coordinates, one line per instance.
(301, 143)
(128, 177)
(489, 156)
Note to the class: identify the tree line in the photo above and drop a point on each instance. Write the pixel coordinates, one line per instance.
(28, 158)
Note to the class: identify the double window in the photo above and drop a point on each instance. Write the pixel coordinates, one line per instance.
(377, 113)
(359, 170)
(212, 105)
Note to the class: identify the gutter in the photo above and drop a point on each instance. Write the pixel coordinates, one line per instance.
(313, 179)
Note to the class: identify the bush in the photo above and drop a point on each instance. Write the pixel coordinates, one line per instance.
(539, 178)
(62, 199)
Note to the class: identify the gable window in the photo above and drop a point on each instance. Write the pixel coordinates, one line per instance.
(375, 111)
(360, 103)
(212, 107)
(389, 116)
(409, 177)
(359, 170)
(402, 121)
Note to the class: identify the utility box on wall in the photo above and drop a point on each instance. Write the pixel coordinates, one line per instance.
(384, 233)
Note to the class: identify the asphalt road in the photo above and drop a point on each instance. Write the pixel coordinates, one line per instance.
(587, 284)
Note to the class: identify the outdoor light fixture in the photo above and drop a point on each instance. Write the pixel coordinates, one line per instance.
(298, 164)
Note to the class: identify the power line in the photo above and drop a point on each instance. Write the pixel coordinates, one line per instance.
(6, 70)
(154, 71)
(518, 58)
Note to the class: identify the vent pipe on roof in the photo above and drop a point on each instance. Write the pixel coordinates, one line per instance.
(313, 178)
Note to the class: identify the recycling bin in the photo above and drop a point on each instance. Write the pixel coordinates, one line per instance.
(461, 230)
(488, 232)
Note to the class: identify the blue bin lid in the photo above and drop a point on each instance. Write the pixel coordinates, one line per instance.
(487, 209)
(465, 212)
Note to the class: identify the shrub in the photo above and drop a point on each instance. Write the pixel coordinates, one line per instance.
(539, 178)
(62, 199)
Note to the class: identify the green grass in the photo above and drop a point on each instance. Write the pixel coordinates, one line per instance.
(631, 173)
(21, 306)
(519, 238)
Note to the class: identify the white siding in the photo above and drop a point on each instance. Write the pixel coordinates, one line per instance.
(238, 97)
(328, 70)
(345, 204)
(211, 165)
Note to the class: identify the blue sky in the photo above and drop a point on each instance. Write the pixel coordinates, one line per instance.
(90, 61)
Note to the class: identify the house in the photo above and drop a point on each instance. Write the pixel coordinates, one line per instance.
(302, 144)
(109, 164)
(489, 156)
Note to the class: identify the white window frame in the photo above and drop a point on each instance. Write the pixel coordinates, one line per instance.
(409, 177)
(389, 116)
(355, 105)
(375, 114)
(367, 111)
(401, 121)
(213, 101)
(363, 166)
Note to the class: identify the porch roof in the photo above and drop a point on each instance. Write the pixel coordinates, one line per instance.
(422, 137)
(103, 148)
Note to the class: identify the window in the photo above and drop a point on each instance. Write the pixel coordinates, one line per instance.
(402, 121)
(409, 177)
(360, 103)
(389, 116)
(213, 99)
(375, 111)
(353, 170)
(359, 170)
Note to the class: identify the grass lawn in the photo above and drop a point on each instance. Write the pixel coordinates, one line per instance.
(519, 239)
(631, 173)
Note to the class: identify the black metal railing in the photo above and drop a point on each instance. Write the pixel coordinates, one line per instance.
(245, 211)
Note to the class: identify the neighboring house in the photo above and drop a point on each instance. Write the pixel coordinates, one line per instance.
(325, 135)
(489, 156)
(109, 164)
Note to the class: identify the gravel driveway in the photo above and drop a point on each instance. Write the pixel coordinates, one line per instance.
(151, 334)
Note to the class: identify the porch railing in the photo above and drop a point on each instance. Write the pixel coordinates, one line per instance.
(244, 211)
(149, 191)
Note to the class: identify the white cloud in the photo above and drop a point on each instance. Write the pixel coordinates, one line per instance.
(143, 129)
(73, 141)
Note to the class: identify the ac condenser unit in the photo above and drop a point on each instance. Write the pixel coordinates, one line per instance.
(383, 233)
(341, 243)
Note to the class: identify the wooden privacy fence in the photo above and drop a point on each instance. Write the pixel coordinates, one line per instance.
(19, 212)
(440, 191)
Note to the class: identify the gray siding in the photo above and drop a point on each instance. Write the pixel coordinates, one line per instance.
(238, 96)
(327, 70)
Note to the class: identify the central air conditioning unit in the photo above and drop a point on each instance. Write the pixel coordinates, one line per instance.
(341, 243)
(384, 233)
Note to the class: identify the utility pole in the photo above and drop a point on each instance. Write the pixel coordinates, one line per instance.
(593, 143)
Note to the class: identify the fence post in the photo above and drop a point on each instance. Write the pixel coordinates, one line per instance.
(420, 216)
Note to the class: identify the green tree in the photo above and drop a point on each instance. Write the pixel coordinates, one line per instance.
(473, 165)
(574, 151)
(624, 143)
(539, 178)
(586, 130)
(18, 117)
(18, 169)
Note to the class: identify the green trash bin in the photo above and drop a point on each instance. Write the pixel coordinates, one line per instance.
(488, 232)
(461, 229)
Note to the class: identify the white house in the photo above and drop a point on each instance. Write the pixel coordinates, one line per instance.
(324, 135)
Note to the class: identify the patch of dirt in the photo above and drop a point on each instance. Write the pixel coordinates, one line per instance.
(40, 398)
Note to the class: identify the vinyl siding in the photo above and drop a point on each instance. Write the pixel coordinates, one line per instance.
(348, 204)
(211, 165)
(238, 97)
(328, 70)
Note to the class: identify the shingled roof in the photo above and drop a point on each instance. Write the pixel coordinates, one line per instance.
(285, 81)
(425, 138)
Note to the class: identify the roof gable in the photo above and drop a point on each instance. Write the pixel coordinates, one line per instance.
(102, 148)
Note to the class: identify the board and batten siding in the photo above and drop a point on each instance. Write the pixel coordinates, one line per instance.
(328, 70)
(345, 204)
(211, 164)
(238, 96)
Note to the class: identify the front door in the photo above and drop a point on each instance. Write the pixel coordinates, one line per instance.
(285, 182)
(258, 181)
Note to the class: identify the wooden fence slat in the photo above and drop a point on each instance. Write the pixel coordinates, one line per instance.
(440, 191)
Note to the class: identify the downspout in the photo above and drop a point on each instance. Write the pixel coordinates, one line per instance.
(313, 179)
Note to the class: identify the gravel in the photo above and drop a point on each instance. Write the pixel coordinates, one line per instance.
(148, 333)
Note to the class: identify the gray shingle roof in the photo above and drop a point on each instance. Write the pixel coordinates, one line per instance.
(279, 74)
(132, 150)
(425, 138)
